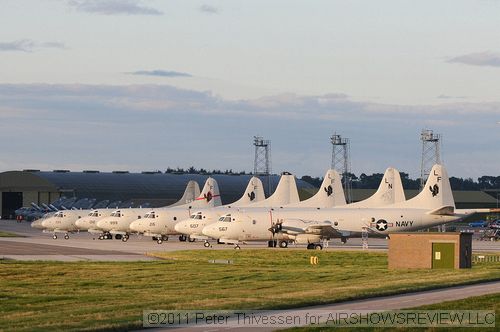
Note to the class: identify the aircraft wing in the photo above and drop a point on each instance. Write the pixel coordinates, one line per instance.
(301, 226)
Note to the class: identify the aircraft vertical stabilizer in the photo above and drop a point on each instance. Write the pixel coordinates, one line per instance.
(210, 195)
(330, 193)
(190, 194)
(253, 193)
(285, 193)
(390, 191)
(436, 193)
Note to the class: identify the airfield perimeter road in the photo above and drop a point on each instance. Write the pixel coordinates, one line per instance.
(377, 304)
(36, 245)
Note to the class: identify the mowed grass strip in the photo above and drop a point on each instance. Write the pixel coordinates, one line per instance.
(104, 295)
(8, 234)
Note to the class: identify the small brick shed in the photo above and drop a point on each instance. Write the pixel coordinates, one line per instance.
(430, 250)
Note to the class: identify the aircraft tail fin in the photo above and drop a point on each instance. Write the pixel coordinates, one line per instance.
(436, 193)
(253, 193)
(285, 193)
(390, 191)
(330, 193)
(209, 196)
(190, 194)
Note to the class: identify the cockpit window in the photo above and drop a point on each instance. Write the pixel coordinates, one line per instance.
(116, 214)
(150, 215)
(197, 216)
(58, 215)
(93, 214)
(225, 218)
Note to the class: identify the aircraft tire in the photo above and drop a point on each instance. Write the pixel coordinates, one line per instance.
(118, 236)
(237, 247)
(191, 240)
(310, 246)
(206, 244)
(159, 241)
(182, 238)
(318, 247)
(54, 237)
(283, 244)
(66, 236)
(125, 238)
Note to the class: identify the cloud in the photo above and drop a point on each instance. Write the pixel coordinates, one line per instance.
(114, 7)
(450, 97)
(161, 73)
(478, 59)
(208, 9)
(163, 124)
(28, 45)
(24, 45)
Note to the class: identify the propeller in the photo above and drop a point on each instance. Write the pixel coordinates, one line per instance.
(276, 227)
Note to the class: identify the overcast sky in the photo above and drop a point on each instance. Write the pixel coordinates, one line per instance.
(146, 84)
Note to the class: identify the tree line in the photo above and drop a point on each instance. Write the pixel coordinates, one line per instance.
(364, 181)
(372, 181)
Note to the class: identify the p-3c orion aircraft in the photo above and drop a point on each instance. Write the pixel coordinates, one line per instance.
(433, 206)
(119, 222)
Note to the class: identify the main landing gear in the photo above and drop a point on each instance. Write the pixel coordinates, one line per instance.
(66, 236)
(160, 239)
(105, 236)
(315, 246)
(275, 243)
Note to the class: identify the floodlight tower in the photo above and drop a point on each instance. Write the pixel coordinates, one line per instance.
(262, 161)
(431, 153)
(341, 162)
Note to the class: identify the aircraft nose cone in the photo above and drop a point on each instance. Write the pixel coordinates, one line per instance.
(179, 227)
(135, 226)
(210, 231)
(46, 223)
(102, 224)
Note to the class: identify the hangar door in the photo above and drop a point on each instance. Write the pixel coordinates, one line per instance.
(11, 201)
(443, 255)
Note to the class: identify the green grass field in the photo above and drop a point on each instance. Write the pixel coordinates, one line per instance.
(101, 295)
(8, 234)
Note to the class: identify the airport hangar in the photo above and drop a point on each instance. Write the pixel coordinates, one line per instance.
(20, 188)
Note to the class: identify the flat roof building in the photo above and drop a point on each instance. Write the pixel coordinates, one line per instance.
(20, 188)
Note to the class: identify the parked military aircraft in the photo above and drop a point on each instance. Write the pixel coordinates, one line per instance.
(330, 194)
(433, 206)
(63, 222)
(89, 222)
(118, 223)
(164, 221)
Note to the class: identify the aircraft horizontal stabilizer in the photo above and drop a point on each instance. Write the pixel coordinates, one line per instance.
(443, 211)
(473, 211)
